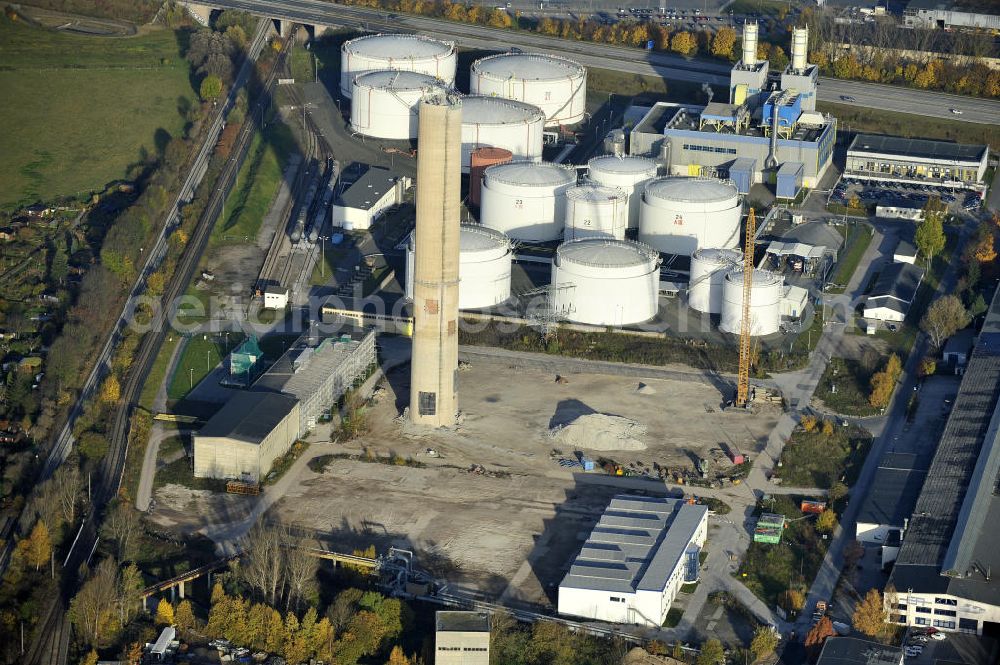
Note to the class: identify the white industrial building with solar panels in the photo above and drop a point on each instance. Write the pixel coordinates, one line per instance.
(635, 560)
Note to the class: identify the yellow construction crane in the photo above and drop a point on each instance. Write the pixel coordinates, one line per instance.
(743, 382)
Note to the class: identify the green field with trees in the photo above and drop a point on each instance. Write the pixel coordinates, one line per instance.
(83, 111)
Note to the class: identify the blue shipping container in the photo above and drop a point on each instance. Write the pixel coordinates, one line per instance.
(789, 180)
(588, 464)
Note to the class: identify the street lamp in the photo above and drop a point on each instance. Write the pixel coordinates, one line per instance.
(322, 257)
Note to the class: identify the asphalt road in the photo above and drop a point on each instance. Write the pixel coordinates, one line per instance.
(628, 60)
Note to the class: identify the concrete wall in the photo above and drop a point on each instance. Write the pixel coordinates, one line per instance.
(225, 458)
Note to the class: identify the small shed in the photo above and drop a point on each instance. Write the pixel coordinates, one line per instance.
(769, 529)
(275, 297)
(905, 252)
(164, 644)
(789, 180)
(741, 172)
(958, 348)
(794, 301)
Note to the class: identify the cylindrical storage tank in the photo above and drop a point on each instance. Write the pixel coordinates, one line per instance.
(605, 282)
(679, 214)
(410, 53)
(595, 211)
(480, 160)
(384, 104)
(526, 200)
(556, 85)
(483, 267)
(630, 173)
(800, 48)
(709, 267)
(765, 302)
(501, 123)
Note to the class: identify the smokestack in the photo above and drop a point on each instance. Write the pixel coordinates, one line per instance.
(800, 49)
(434, 365)
(750, 43)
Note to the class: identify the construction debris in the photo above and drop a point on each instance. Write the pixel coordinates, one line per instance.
(561, 379)
(645, 389)
(600, 431)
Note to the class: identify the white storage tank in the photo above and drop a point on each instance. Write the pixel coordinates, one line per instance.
(605, 282)
(630, 173)
(765, 302)
(483, 267)
(384, 103)
(411, 53)
(526, 200)
(556, 85)
(501, 123)
(680, 214)
(595, 211)
(709, 267)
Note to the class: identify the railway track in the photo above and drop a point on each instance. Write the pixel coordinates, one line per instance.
(51, 645)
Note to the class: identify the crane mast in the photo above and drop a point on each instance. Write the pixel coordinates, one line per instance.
(743, 382)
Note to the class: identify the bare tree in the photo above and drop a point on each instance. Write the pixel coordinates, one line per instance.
(264, 564)
(65, 488)
(122, 527)
(129, 591)
(92, 605)
(301, 570)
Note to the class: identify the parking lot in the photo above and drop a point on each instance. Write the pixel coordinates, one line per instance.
(921, 648)
(902, 195)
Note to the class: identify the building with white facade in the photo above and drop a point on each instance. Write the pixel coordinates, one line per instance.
(635, 560)
(275, 297)
(945, 15)
(462, 638)
(891, 497)
(893, 292)
(894, 159)
(944, 573)
(370, 197)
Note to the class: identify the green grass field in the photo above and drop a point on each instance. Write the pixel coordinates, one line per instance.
(78, 111)
(258, 182)
(158, 372)
(850, 256)
(201, 353)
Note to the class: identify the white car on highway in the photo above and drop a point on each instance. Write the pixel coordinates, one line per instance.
(956, 111)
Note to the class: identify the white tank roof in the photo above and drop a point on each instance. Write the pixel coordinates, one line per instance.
(605, 252)
(398, 46)
(538, 174)
(761, 278)
(478, 238)
(695, 190)
(595, 193)
(481, 110)
(527, 66)
(623, 165)
(718, 256)
(396, 80)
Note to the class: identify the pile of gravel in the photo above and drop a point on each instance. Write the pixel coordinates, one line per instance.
(600, 431)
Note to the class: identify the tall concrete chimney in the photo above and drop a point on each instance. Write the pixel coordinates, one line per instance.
(434, 365)
(800, 49)
(750, 43)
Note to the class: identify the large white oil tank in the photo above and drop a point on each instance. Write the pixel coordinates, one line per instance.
(595, 211)
(680, 214)
(556, 85)
(384, 103)
(411, 53)
(483, 267)
(765, 302)
(630, 173)
(501, 123)
(709, 267)
(605, 282)
(526, 200)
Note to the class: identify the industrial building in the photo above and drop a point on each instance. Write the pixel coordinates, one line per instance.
(893, 293)
(554, 84)
(245, 436)
(400, 52)
(635, 560)
(501, 123)
(384, 103)
(317, 372)
(891, 497)
(484, 263)
(605, 282)
(679, 215)
(945, 15)
(526, 200)
(918, 161)
(856, 651)
(368, 198)
(943, 573)
(462, 638)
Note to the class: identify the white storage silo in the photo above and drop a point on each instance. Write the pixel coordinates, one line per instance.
(709, 267)
(384, 104)
(501, 123)
(411, 53)
(595, 211)
(631, 173)
(526, 200)
(483, 267)
(765, 302)
(556, 85)
(679, 214)
(605, 282)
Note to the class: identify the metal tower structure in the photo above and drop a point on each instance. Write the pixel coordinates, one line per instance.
(743, 383)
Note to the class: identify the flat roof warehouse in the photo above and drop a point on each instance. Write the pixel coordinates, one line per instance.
(917, 148)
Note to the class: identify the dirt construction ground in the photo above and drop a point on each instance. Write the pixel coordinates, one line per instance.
(515, 534)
